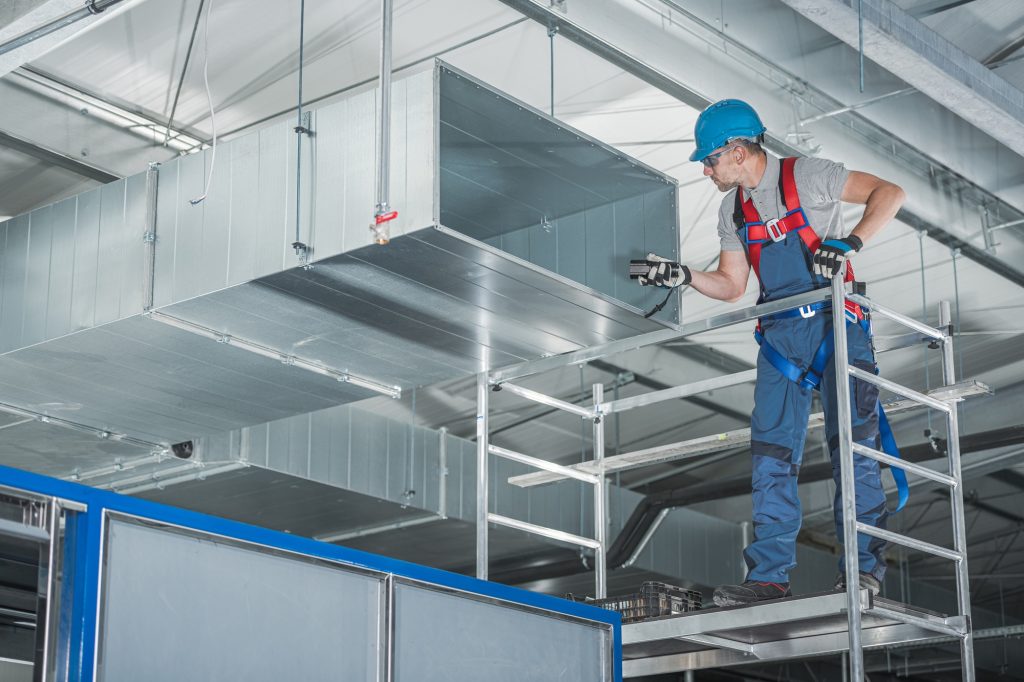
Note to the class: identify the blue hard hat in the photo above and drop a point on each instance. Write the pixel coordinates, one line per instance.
(724, 120)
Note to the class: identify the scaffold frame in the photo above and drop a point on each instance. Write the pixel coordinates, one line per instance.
(888, 622)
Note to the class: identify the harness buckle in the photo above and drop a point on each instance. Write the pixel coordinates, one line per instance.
(806, 311)
(775, 233)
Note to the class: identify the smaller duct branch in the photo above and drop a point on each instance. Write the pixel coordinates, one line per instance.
(383, 214)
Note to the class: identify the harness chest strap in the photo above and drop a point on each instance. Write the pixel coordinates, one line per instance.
(759, 232)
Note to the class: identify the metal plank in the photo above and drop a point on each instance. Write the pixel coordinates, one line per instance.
(721, 620)
(797, 648)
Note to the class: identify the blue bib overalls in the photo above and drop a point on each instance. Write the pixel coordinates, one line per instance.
(782, 407)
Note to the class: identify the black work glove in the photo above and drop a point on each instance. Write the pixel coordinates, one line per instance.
(658, 271)
(832, 253)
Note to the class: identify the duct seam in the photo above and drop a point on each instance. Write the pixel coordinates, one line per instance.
(273, 354)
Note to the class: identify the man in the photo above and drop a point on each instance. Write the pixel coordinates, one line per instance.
(782, 218)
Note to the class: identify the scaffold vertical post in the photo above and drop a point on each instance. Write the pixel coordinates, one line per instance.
(482, 428)
(847, 488)
(963, 588)
(600, 498)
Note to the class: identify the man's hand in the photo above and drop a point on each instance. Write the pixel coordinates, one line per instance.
(831, 254)
(663, 272)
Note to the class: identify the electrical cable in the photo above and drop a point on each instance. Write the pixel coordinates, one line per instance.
(658, 308)
(209, 99)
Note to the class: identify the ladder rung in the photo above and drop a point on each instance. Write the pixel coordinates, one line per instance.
(923, 472)
(906, 541)
(543, 464)
(899, 389)
(544, 531)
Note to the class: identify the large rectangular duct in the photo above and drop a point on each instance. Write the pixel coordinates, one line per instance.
(510, 244)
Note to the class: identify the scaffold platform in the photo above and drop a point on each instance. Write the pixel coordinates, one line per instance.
(776, 630)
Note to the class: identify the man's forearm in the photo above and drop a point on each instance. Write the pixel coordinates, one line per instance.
(882, 206)
(717, 285)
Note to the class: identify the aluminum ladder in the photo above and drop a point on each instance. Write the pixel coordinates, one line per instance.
(960, 623)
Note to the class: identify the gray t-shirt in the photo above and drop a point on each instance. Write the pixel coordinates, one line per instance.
(820, 184)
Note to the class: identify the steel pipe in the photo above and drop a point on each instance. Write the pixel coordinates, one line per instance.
(956, 498)
(483, 392)
(600, 500)
(847, 477)
(384, 137)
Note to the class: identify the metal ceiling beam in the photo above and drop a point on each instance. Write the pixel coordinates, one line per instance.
(908, 49)
(35, 27)
(55, 158)
(937, 7)
(129, 117)
(1005, 52)
(605, 33)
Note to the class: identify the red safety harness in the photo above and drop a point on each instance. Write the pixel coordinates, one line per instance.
(760, 232)
(757, 234)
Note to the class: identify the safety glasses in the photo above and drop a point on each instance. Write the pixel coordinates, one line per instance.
(711, 160)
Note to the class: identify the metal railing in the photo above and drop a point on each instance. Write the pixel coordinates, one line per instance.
(943, 398)
(954, 480)
(598, 479)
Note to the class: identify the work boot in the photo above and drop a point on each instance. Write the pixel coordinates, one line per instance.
(750, 592)
(867, 582)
